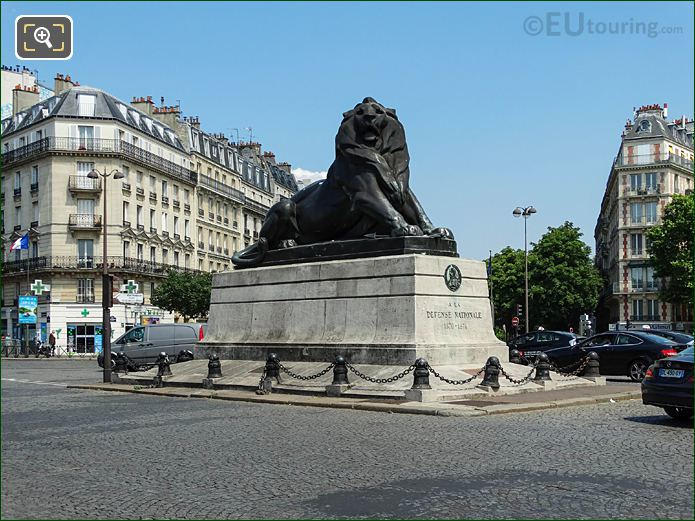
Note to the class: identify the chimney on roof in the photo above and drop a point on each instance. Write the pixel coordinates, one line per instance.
(194, 121)
(23, 98)
(285, 166)
(665, 110)
(145, 105)
(269, 156)
(62, 83)
(170, 116)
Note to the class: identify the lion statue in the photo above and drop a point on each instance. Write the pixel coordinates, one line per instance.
(366, 191)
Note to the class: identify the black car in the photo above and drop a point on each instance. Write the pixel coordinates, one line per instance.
(534, 343)
(620, 353)
(678, 338)
(669, 384)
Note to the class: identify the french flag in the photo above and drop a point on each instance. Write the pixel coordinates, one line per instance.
(21, 244)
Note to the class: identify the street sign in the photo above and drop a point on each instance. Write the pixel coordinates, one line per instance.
(515, 321)
(129, 298)
(27, 309)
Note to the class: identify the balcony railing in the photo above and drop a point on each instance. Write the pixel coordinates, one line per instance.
(85, 299)
(115, 263)
(256, 207)
(82, 183)
(201, 212)
(139, 190)
(646, 190)
(653, 159)
(85, 221)
(97, 146)
(165, 199)
(34, 187)
(34, 224)
(644, 318)
(186, 207)
(125, 186)
(176, 203)
(222, 188)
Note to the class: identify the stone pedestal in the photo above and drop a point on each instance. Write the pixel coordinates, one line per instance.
(381, 310)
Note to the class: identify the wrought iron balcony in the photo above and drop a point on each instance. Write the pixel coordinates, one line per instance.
(84, 221)
(653, 159)
(85, 299)
(153, 196)
(82, 183)
(221, 188)
(34, 187)
(201, 212)
(34, 224)
(176, 203)
(186, 207)
(87, 264)
(125, 186)
(139, 190)
(226, 220)
(165, 199)
(98, 147)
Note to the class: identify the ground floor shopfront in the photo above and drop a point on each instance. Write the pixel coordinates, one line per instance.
(78, 327)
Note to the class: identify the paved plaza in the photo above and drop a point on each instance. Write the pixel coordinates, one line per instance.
(70, 453)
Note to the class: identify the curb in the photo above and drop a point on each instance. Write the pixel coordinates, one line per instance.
(430, 409)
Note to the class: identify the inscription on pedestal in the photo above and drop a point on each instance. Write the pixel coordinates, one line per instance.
(453, 319)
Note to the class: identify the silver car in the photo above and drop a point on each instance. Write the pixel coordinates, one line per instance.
(142, 344)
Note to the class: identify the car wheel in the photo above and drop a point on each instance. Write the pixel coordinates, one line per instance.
(637, 369)
(679, 413)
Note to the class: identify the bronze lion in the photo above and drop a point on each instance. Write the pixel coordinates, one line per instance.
(366, 191)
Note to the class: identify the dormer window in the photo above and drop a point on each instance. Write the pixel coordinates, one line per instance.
(135, 116)
(124, 111)
(148, 123)
(644, 126)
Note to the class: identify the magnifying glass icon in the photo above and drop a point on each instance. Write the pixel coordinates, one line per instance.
(42, 35)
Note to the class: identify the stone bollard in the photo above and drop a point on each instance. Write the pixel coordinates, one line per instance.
(421, 391)
(492, 373)
(340, 371)
(542, 369)
(593, 369)
(163, 363)
(515, 356)
(272, 367)
(340, 382)
(214, 367)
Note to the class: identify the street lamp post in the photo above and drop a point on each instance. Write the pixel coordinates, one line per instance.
(526, 213)
(105, 280)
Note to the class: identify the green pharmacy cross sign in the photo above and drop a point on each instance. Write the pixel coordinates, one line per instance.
(84, 312)
(38, 287)
(131, 287)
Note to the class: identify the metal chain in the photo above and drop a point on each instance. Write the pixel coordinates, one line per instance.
(300, 377)
(515, 381)
(259, 389)
(576, 372)
(380, 380)
(455, 382)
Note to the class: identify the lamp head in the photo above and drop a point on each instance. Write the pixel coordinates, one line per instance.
(93, 174)
(517, 212)
(119, 175)
(530, 210)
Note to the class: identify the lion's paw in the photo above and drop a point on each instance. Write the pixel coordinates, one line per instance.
(444, 233)
(407, 230)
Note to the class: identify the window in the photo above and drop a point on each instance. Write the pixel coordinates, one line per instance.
(34, 249)
(126, 173)
(139, 216)
(153, 218)
(217, 239)
(139, 253)
(164, 188)
(186, 228)
(201, 237)
(200, 264)
(85, 249)
(637, 309)
(165, 256)
(635, 182)
(153, 254)
(138, 177)
(636, 278)
(86, 136)
(211, 206)
(176, 258)
(636, 243)
(176, 192)
(624, 339)
(17, 216)
(35, 175)
(676, 188)
(653, 309)
(176, 225)
(126, 212)
(651, 183)
(17, 180)
(153, 183)
(636, 213)
(85, 290)
(651, 212)
(85, 206)
(86, 104)
(186, 195)
(187, 261)
(126, 249)
(164, 221)
(35, 212)
(652, 282)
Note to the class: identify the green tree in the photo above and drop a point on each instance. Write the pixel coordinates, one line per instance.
(670, 246)
(563, 281)
(507, 281)
(187, 294)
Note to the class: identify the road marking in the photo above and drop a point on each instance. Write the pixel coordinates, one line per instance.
(30, 382)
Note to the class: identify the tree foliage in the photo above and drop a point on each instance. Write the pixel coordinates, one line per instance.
(671, 252)
(563, 281)
(187, 294)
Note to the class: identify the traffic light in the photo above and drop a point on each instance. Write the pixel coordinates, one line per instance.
(519, 310)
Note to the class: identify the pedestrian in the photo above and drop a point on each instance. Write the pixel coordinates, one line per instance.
(52, 342)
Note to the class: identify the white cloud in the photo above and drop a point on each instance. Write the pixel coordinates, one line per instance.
(306, 177)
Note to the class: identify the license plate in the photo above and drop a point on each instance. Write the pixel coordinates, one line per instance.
(671, 373)
(532, 353)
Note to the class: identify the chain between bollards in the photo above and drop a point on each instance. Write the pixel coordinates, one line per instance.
(380, 380)
(300, 377)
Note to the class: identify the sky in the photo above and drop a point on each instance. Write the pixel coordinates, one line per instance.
(504, 104)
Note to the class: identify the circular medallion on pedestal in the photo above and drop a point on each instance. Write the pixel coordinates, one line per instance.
(452, 277)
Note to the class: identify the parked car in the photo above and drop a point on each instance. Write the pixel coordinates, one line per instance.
(142, 344)
(669, 384)
(620, 353)
(677, 337)
(534, 343)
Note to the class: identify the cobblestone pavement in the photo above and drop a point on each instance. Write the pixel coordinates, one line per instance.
(82, 454)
